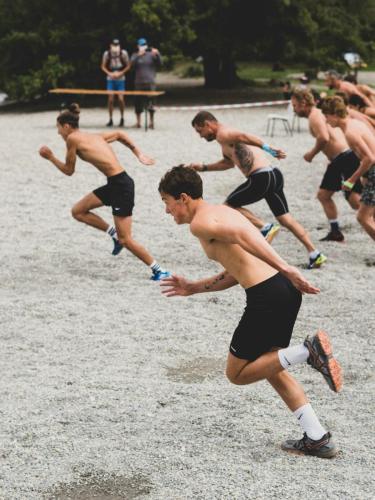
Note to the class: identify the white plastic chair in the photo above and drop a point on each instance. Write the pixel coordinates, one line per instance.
(289, 120)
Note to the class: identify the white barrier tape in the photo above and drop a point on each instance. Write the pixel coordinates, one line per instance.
(223, 106)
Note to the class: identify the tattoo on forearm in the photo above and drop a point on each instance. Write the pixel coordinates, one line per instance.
(245, 156)
(208, 286)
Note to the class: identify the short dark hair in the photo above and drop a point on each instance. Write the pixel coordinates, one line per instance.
(180, 180)
(201, 117)
(69, 117)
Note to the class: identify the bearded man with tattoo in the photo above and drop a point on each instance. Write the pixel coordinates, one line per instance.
(263, 181)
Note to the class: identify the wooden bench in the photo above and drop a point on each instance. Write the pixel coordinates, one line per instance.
(145, 93)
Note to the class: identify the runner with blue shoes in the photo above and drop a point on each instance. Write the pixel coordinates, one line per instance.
(117, 193)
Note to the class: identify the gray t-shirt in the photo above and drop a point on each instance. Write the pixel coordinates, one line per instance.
(116, 62)
(145, 66)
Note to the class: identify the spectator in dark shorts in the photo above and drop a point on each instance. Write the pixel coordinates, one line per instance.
(342, 160)
(115, 63)
(263, 180)
(362, 141)
(259, 349)
(117, 193)
(145, 63)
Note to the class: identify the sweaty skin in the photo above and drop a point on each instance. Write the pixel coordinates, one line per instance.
(94, 149)
(234, 242)
(239, 149)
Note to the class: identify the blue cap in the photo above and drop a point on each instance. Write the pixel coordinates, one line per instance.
(141, 41)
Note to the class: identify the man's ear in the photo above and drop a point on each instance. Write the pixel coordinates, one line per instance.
(184, 197)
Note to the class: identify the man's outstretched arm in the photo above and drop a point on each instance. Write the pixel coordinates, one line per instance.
(126, 141)
(235, 136)
(223, 164)
(250, 239)
(178, 285)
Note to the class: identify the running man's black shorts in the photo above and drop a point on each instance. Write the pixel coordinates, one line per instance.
(118, 193)
(340, 169)
(266, 183)
(268, 320)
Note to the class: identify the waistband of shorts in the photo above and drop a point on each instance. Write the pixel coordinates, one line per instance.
(117, 177)
(263, 284)
(262, 170)
(341, 155)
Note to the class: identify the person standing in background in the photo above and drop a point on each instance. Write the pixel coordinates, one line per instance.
(115, 63)
(145, 63)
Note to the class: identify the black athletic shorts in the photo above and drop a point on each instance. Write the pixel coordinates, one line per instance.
(118, 193)
(271, 311)
(264, 183)
(341, 168)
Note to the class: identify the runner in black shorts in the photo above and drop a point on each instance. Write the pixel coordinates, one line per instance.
(271, 311)
(341, 168)
(260, 346)
(342, 161)
(263, 181)
(117, 193)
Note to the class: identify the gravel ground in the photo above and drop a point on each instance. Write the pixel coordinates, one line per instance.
(110, 390)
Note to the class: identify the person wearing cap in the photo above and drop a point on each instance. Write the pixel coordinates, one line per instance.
(145, 63)
(335, 81)
(115, 63)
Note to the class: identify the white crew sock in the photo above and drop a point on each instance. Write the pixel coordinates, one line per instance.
(112, 232)
(309, 422)
(155, 267)
(266, 226)
(293, 355)
(314, 254)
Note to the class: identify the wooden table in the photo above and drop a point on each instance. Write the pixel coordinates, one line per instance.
(145, 93)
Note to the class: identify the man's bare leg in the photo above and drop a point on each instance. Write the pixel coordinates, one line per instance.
(354, 200)
(329, 206)
(299, 232)
(121, 103)
(259, 223)
(123, 228)
(110, 108)
(81, 211)
(366, 217)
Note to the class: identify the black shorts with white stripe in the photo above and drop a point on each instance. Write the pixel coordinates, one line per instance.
(265, 183)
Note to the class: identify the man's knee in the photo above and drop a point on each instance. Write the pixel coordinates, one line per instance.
(323, 195)
(126, 241)
(77, 213)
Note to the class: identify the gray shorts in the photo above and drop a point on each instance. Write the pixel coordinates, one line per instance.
(368, 192)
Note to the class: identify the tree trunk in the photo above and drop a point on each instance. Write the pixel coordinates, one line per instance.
(219, 71)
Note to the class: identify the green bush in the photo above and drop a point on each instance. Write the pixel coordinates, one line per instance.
(36, 83)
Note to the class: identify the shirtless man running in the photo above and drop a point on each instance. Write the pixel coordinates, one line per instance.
(259, 347)
(118, 192)
(246, 151)
(342, 161)
(362, 142)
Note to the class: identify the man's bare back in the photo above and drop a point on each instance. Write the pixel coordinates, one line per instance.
(247, 158)
(94, 149)
(336, 140)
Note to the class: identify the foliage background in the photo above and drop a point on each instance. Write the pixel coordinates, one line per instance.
(48, 43)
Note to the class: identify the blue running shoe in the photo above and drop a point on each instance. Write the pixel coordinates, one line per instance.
(159, 275)
(117, 247)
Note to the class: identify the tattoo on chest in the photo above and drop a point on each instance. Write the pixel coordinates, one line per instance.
(214, 282)
(245, 157)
